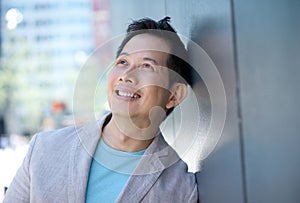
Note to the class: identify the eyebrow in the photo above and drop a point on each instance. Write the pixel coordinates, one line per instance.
(150, 59)
(144, 58)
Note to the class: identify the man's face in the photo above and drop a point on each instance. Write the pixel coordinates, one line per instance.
(139, 79)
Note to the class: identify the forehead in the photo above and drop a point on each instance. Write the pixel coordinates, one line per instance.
(147, 43)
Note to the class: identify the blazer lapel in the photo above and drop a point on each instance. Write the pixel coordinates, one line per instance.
(80, 159)
(157, 157)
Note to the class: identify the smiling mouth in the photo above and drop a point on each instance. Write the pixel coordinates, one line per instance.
(128, 94)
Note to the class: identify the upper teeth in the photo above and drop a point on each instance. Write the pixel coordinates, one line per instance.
(127, 94)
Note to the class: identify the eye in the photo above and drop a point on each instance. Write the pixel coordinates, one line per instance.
(122, 62)
(147, 66)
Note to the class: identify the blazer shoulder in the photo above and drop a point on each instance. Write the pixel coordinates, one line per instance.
(178, 176)
(177, 184)
(56, 140)
(181, 169)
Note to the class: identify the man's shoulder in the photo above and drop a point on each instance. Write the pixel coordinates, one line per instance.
(181, 169)
(176, 169)
(177, 178)
(73, 131)
(59, 139)
(65, 139)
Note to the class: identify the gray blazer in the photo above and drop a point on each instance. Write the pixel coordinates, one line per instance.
(56, 169)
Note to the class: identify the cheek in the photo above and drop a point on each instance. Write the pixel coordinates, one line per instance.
(158, 95)
(111, 77)
(112, 74)
(156, 81)
(165, 94)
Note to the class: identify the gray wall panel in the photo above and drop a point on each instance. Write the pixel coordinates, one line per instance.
(123, 12)
(268, 47)
(208, 23)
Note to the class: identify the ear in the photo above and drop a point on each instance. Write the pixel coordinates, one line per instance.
(178, 94)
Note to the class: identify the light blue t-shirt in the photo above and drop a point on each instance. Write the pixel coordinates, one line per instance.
(109, 172)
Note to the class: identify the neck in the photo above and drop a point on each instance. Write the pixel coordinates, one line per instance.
(123, 135)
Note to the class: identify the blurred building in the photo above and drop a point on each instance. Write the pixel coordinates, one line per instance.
(44, 45)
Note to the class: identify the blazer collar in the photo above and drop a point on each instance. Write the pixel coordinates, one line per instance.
(156, 159)
(81, 157)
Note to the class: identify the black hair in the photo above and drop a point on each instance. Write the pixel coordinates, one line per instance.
(178, 58)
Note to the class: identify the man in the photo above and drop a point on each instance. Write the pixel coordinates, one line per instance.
(126, 159)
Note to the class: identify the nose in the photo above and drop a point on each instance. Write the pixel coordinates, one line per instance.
(128, 75)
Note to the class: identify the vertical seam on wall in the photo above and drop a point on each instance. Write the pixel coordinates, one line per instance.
(239, 109)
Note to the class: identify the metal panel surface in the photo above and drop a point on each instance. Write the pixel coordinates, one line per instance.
(208, 23)
(268, 47)
(123, 12)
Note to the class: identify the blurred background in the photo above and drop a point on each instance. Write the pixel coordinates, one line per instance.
(254, 44)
